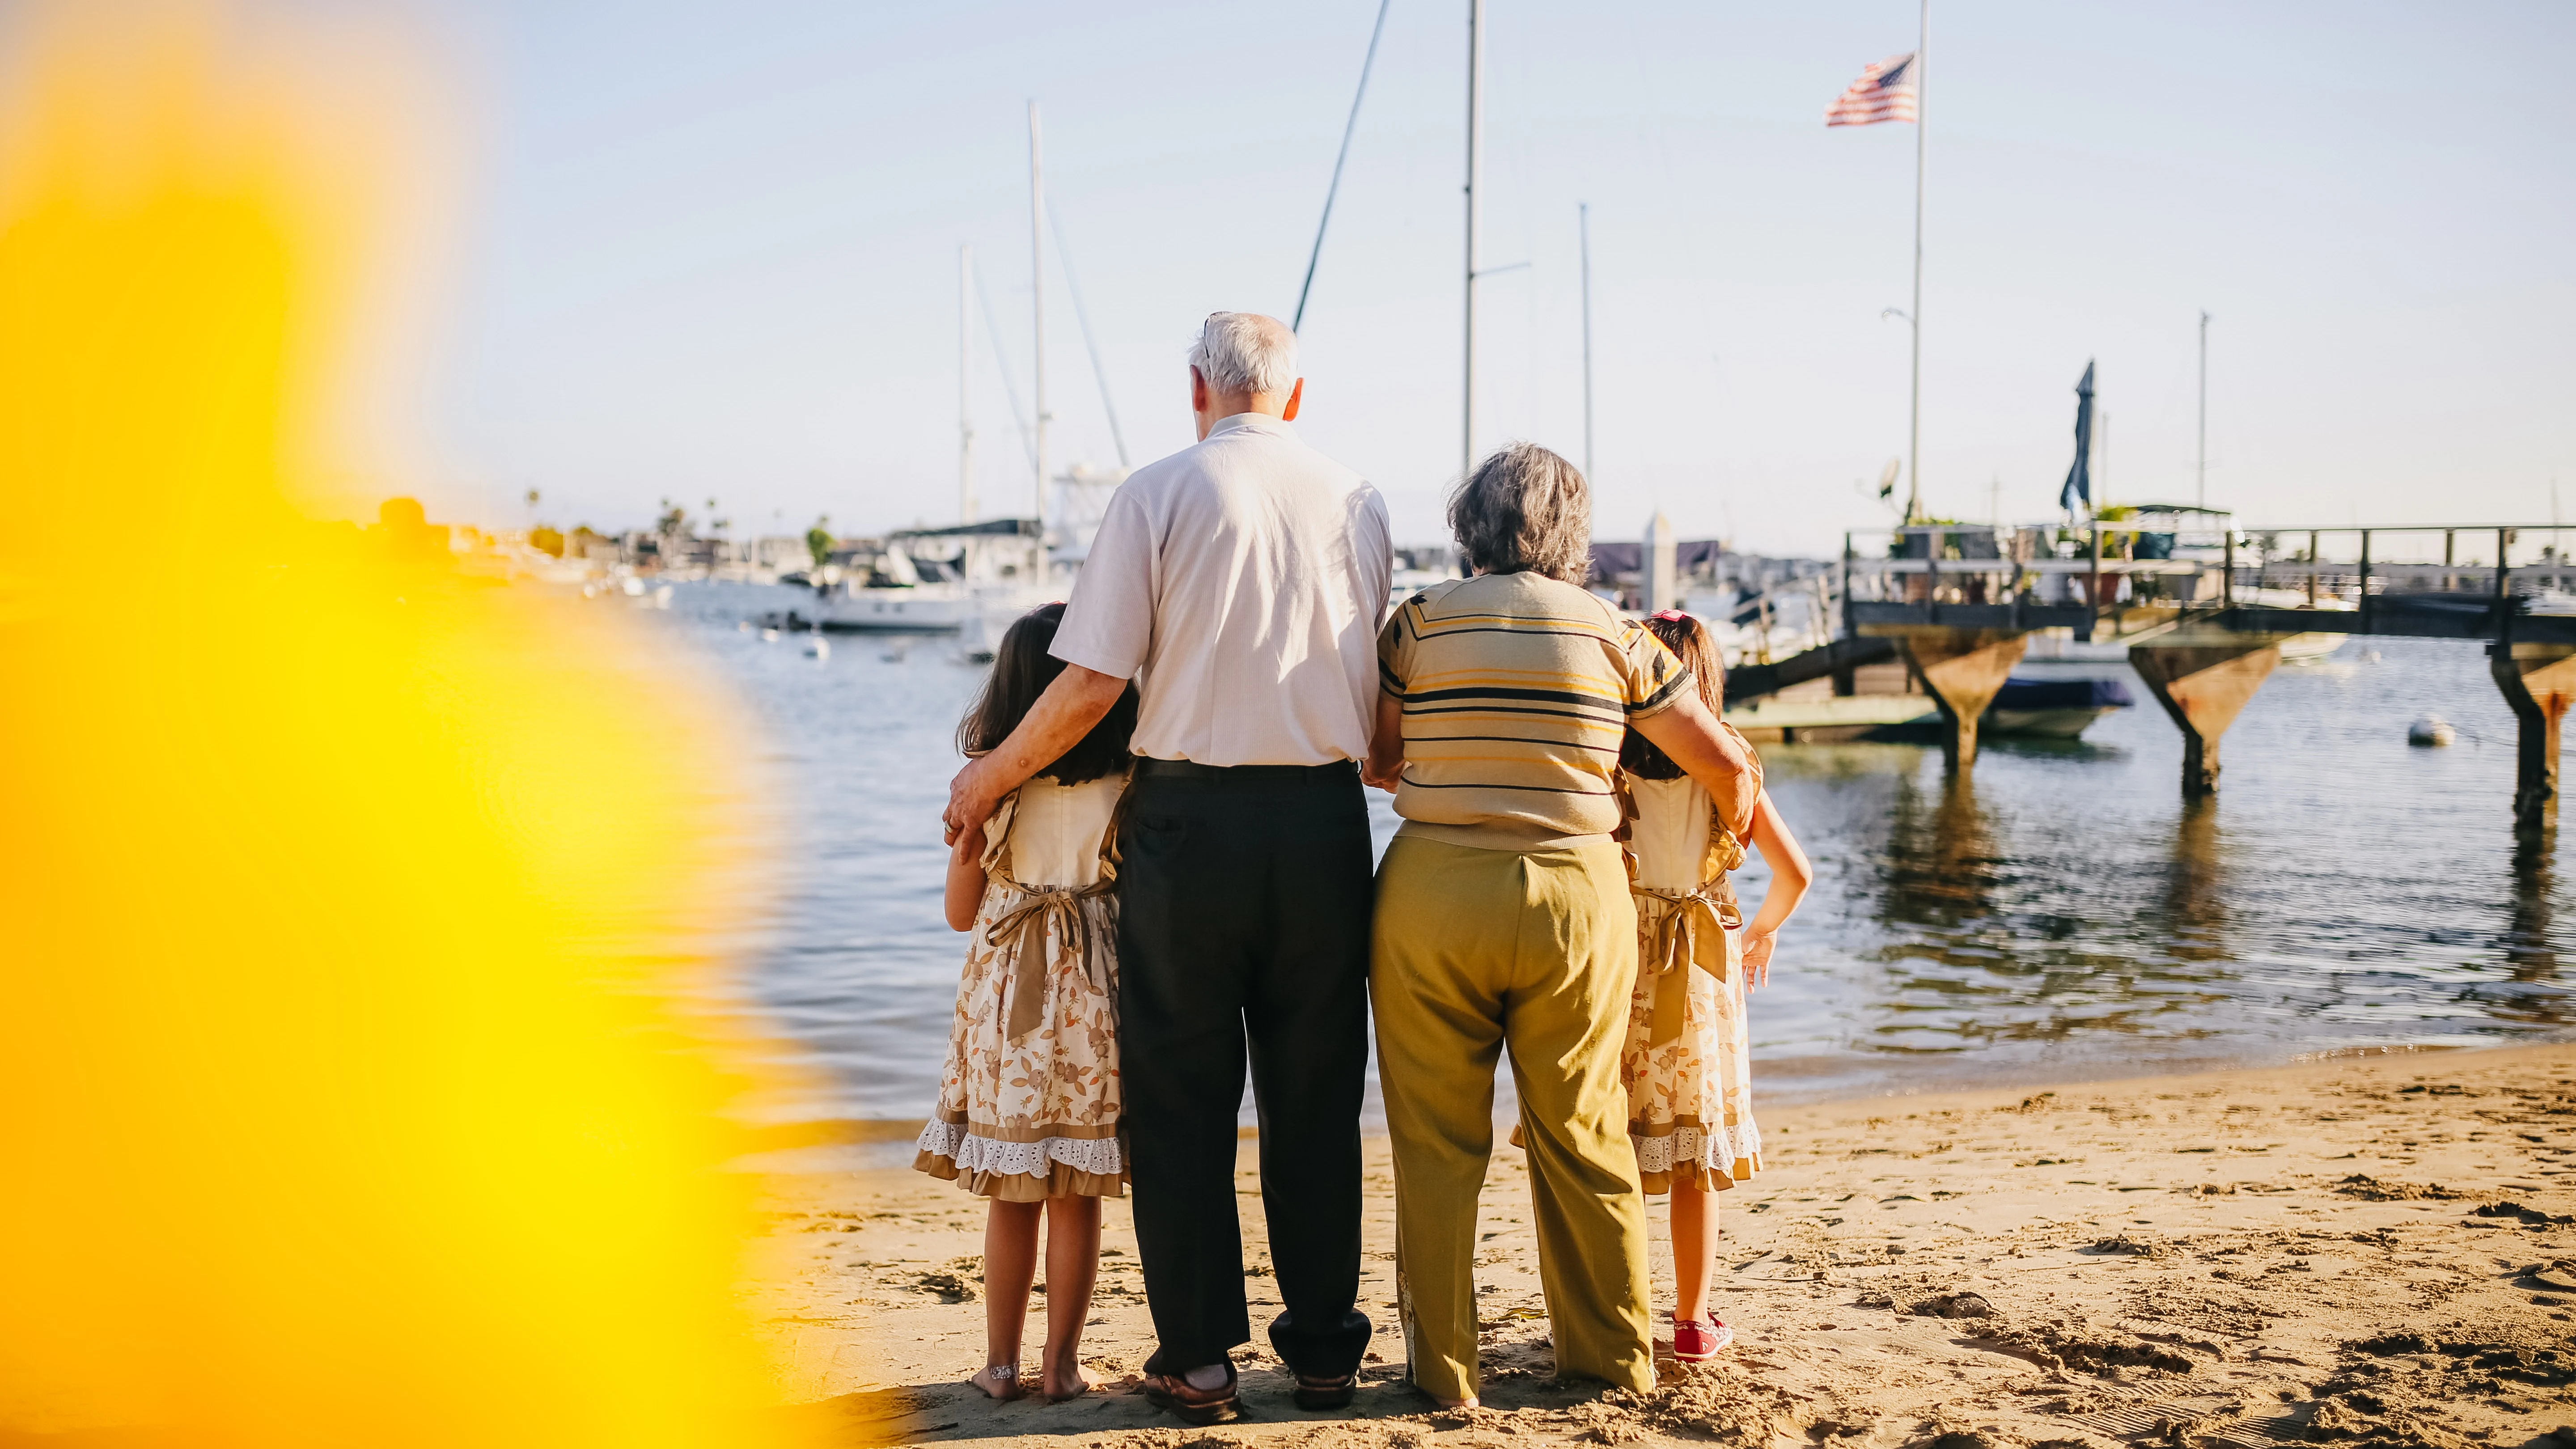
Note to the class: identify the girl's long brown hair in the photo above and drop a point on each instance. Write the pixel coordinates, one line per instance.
(1688, 639)
(1022, 669)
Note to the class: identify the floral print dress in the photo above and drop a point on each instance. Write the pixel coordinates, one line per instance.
(1029, 1100)
(1687, 1063)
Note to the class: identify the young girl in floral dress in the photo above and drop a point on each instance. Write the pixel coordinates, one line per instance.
(1029, 1102)
(1687, 1066)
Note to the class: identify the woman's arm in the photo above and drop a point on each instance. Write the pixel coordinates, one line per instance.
(1385, 762)
(1790, 877)
(966, 879)
(1688, 735)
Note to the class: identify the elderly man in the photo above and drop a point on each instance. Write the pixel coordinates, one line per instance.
(1245, 577)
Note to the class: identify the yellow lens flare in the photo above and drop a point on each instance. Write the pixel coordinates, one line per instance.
(345, 1096)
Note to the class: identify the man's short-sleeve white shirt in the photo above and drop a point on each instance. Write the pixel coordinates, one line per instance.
(1245, 578)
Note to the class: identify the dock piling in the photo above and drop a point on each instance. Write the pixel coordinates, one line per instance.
(2203, 681)
(2204, 663)
(2539, 682)
(1961, 669)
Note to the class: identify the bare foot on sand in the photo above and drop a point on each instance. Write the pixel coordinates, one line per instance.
(1068, 1380)
(997, 1380)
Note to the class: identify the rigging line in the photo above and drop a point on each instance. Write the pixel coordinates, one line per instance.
(1299, 320)
(1002, 365)
(1099, 374)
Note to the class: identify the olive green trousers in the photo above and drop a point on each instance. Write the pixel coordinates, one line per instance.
(1474, 949)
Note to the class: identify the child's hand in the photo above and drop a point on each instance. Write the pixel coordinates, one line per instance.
(966, 879)
(1757, 958)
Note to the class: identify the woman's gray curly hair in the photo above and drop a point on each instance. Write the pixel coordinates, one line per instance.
(1525, 510)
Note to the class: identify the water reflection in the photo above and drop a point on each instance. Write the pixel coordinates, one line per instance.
(2195, 884)
(1942, 868)
(1997, 931)
(2526, 942)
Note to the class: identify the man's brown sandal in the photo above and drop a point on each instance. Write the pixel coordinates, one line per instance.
(1198, 1406)
(1326, 1393)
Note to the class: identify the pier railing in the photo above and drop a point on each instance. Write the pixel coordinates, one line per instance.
(2121, 578)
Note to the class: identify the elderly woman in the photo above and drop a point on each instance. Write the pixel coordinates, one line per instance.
(1503, 914)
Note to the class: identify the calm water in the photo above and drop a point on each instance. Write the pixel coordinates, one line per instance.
(2059, 915)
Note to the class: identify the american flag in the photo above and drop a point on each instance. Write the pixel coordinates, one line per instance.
(1884, 92)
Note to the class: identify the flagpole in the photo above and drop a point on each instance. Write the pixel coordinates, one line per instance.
(1922, 124)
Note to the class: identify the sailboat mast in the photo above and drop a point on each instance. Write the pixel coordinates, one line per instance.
(1475, 220)
(965, 384)
(1922, 128)
(1583, 217)
(2201, 495)
(1037, 300)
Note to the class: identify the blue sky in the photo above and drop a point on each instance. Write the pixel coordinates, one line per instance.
(711, 250)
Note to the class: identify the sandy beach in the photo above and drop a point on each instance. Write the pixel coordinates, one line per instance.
(2376, 1250)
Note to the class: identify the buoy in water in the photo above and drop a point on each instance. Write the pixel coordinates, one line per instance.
(768, 636)
(2430, 731)
(817, 647)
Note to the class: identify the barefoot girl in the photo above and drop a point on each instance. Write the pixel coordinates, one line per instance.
(1029, 1100)
(1687, 1068)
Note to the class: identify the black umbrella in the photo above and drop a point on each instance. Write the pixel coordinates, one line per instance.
(2079, 479)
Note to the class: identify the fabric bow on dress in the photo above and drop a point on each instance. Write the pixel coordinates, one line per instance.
(1669, 923)
(1064, 911)
(1060, 909)
(1668, 940)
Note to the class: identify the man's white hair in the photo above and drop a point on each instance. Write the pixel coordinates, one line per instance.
(1246, 352)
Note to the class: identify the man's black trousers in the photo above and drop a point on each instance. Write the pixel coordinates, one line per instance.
(1243, 924)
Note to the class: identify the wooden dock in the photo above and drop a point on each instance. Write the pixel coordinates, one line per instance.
(1829, 717)
(2207, 613)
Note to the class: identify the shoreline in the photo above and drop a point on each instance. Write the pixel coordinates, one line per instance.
(805, 1144)
(2244, 1257)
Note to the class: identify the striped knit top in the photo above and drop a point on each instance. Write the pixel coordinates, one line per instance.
(1516, 690)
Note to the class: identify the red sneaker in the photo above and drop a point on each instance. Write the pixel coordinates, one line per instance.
(1697, 1340)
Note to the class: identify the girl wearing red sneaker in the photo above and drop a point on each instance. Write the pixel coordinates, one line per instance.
(1687, 1066)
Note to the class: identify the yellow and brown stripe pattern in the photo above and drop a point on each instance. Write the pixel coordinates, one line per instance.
(1517, 690)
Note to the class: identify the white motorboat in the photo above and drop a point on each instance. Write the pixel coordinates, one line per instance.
(939, 581)
(929, 609)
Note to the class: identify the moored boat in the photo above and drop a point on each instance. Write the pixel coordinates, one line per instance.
(939, 580)
(2053, 708)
